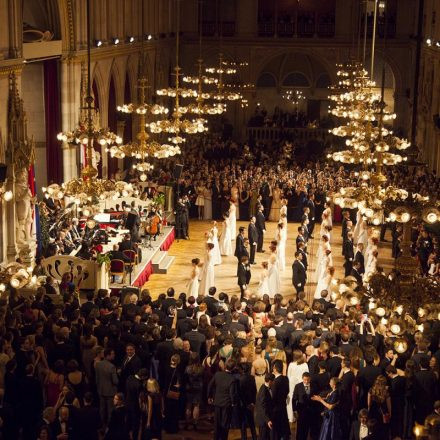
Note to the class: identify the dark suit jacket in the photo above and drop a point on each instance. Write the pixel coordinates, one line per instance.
(299, 275)
(196, 341)
(260, 222)
(223, 387)
(304, 259)
(263, 406)
(239, 247)
(302, 402)
(129, 369)
(355, 429)
(212, 305)
(295, 338)
(347, 249)
(358, 256)
(357, 275)
(252, 234)
(248, 390)
(299, 239)
(106, 378)
(244, 274)
(280, 391)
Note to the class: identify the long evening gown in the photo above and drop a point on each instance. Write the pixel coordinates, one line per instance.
(207, 212)
(275, 207)
(233, 221)
(274, 276)
(193, 285)
(320, 264)
(207, 275)
(331, 424)
(281, 250)
(294, 374)
(323, 284)
(225, 239)
(213, 238)
(263, 287)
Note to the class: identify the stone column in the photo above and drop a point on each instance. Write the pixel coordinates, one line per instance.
(10, 217)
(15, 29)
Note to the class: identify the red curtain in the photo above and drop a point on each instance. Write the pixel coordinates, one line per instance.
(112, 125)
(54, 155)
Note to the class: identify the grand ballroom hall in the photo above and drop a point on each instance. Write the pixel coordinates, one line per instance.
(219, 219)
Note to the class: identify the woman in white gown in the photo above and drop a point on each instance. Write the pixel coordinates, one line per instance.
(283, 210)
(193, 284)
(207, 274)
(324, 278)
(371, 249)
(363, 236)
(326, 225)
(274, 280)
(294, 373)
(324, 246)
(280, 237)
(263, 287)
(225, 239)
(370, 267)
(233, 219)
(328, 214)
(213, 238)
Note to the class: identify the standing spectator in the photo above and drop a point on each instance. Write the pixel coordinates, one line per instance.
(263, 409)
(280, 391)
(118, 425)
(106, 384)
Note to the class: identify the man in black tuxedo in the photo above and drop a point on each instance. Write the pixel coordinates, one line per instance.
(425, 390)
(261, 228)
(360, 427)
(299, 274)
(359, 256)
(300, 238)
(355, 272)
(305, 408)
(169, 300)
(348, 253)
(88, 419)
(345, 220)
(239, 244)
(223, 394)
(280, 391)
(310, 203)
(211, 302)
(248, 392)
(216, 200)
(244, 274)
(130, 365)
(302, 251)
(266, 198)
(264, 408)
(253, 240)
(196, 340)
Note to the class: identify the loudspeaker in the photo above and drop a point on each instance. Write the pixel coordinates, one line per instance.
(3, 169)
(131, 220)
(177, 172)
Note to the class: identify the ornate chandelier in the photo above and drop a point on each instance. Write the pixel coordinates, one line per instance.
(87, 191)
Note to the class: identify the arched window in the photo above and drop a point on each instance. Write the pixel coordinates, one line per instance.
(266, 79)
(296, 79)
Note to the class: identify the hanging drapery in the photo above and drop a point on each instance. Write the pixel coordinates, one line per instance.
(54, 159)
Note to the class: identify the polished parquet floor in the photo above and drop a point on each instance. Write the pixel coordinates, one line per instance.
(185, 250)
(178, 275)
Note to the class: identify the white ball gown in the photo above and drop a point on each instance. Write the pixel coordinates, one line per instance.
(363, 236)
(357, 228)
(328, 213)
(213, 238)
(323, 246)
(207, 275)
(233, 220)
(281, 249)
(274, 280)
(370, 267)
(263, 287)
(324, 277)
(294, 374)
(193, 285)
(225, 239)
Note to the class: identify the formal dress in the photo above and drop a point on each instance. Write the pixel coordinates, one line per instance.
(213, 238)
(275, 207)
(263, 286)
(207, 275)
(193, 285)
(331, 424)
(321, 263)
(225, 239)
(235, 196)
(323, 284)
(273, 276)
(207, 212)
(281, 249)
(233, 221)
(357, 228)
(294, 374)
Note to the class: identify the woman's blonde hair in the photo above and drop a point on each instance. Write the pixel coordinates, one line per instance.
(152, 386)
(298, 357)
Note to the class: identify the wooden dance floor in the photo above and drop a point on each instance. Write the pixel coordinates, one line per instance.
(185, 250)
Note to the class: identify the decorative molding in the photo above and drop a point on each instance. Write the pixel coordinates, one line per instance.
(6, 69)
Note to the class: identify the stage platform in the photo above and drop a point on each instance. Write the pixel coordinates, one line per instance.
(155, 260)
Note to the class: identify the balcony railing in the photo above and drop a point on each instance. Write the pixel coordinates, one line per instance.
(211, 28)
(302, 26)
